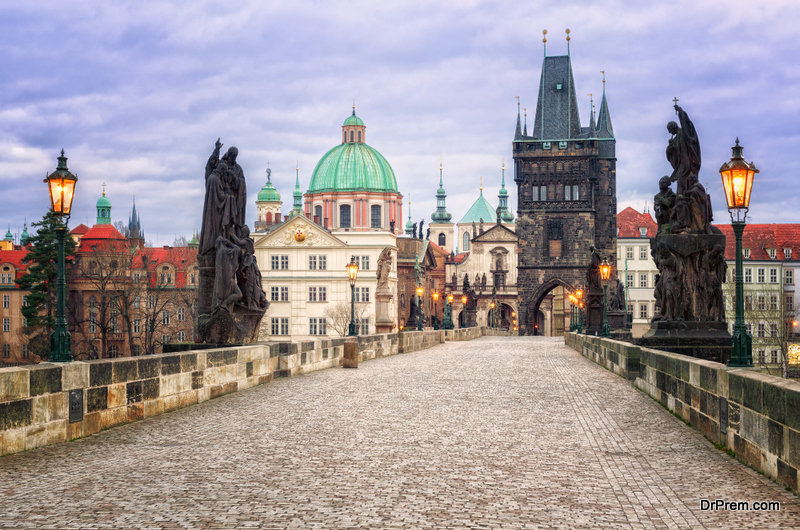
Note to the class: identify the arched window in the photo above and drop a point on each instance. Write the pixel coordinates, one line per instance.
(351, 136)
(442, 240)
(359, 136)
(269, 217)
(375, 212)
(344, 216)
(344, 136)
(466, 241)
(318, 213)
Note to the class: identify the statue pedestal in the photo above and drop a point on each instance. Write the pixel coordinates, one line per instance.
(221, 327)
(472, 318)
(594, 313)
(384, 323)
(704, 340)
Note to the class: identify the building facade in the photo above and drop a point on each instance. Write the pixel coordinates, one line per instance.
(636, 266)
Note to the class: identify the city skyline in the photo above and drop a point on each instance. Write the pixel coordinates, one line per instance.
(137, 96)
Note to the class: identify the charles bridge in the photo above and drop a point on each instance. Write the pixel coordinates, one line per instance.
(465, 429)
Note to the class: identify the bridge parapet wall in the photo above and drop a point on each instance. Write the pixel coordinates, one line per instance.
(35, 399)
(755, 415)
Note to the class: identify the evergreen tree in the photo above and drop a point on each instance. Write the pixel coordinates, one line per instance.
(41, 279)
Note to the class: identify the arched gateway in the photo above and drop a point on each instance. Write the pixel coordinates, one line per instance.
(566, 191)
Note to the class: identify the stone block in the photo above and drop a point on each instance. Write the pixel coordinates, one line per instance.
(116, 395)
(13, 440)
(149, 367)
(100, 373)
(74, 430)
(150, 389)
(350, 359)
(792, 447)
(203, 394)
(97, 399)
(751, 393)
(170, 364)
(56, 431)
(792, 404)
(787, 475)
(774, 401)
(41, 404)
(113, 417)
(708, 379)
(133, 392)
(135, 412)
(16, 414)
(754, 428)
(91, 423)
(45, 379)
(175, 384)
(188, 362)
(735, 386)
(775, 439)
(124, 370)
(35, 436)
(15, 383)
(222, 357)
(74, 375)
(57, 406)
(153, 407)
(197, 380)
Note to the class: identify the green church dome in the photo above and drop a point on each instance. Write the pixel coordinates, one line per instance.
(353, 120)
(103, 202)
(268, 193)
(353, 166)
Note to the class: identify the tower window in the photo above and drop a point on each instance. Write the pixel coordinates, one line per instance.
(318, 213)
(344, 213)
(359, 136)
(567, 192)
(575, 192)
(344, 136)
(351, 136)
(375, 210)
(535, 196)
(543, 193)
(466, 241)
(442, 240)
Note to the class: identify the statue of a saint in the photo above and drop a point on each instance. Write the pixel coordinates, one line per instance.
(391, 225)
(421, 223)
(219, 208)
(593, 272)
(384, 268)
(683, 151)
(663, 202)
(248, 277)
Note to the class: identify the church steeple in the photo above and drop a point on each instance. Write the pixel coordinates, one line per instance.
(502, 197)
(605, 130)
(135, 231)
(297, 195)
(525, 129)
(518, 133)
(557, 116)
(440, 215)
(409, 224)
(103, 209)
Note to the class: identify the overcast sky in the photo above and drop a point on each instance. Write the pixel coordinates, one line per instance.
(137, 92)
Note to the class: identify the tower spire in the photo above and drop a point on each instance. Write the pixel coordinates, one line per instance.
(568, 41)
(409, 224)
(604, 128)
(297, 195)
(518, 134)
(441, 214)
(525, 130)
(544, 41)
(502, 197)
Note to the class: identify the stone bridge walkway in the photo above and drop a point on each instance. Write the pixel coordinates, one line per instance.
(493, 433)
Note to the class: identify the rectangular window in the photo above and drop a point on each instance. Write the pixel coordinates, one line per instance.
(25, 301)
(749, 326)
(773, 276)
(151, 302)
(6, 301)
(748, 302)
(279, 294)
(643, 253)
(629, 282)
(92, 322)
(312, 294)
(317, 326)
(762, 302)
(535, 197)
(136, 302)
(642, 310)
(136, 350)
(137, 326)
(323, 294)
(317, 263)
(575, 192)
(787, 253)
(274, 294)
(113, 322)
(279, 262)
(773, 330)
(6, 351)
(344, 216)
(164, 339)
(280, 326)
(628, 252)
(284, 294)
(181, 336)
(748, 275)
(630, 307)
(6, 325)
(362, 294)
(362, 326)
(543, 193)
(567, 192)
(762, 275)
(25, 351)
(788, 276)
(362, 262)
(761, 356)
(275, 260)
(746, 253)
(762, 330)
(643, 280)
(773, 357)
(375, 216)
(284, 262)
(24, 322)
(789, 302)
(165, 318)
(181, 315)
(773, 302)
(772, 253)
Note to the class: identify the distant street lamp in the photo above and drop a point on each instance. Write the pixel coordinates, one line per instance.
(420, 292)
(61, 186)
(435, 318)
(579, 298)
(352, 273)
(447, 323)
(605, 274)
(491, 314)
(737, 179)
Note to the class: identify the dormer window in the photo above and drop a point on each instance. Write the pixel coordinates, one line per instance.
(643, 232)
(787, 253)
(772, 253)
(746, 253)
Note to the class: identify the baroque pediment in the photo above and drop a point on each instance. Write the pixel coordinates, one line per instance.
(299, 231)
(497, 233)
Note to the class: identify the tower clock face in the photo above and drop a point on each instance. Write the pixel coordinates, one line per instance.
(299, 235)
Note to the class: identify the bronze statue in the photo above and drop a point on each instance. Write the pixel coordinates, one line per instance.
(593, 273)
(683, 151)
(663, 203)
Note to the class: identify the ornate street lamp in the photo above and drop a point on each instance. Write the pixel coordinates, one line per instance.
(435, 318)
(737, 179)
(579, 298)
(420, 292)
(605, 274)
(61, 186)
(352, 273)
(573, 304)
(447, 323)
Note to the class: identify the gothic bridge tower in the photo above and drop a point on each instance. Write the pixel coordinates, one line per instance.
(566, 185)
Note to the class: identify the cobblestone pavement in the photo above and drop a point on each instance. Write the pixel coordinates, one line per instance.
(493, 433)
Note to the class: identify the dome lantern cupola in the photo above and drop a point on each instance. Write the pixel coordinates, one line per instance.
(353, 129)
(506, 216)
(103, 209)
(441, 214)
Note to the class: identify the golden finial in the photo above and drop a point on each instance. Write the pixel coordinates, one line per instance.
(517, 100)
(604, 76)
(544, 39)
(567, 36)
(525, 111)
(504, 163)
(481, 184)
(104, 189)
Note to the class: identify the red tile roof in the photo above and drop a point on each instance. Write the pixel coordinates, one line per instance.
(14, 258)
(630, 221)
(79, 230)
(180, 258)
(759, 238)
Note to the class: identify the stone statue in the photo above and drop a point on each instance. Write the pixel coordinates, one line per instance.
(414, 231)
(248, 277)
(455, 280)
(499, 211)
(421, 223)
(384, 268)
(714, 270)
(219, 207)
(483, 282)
(417, 271)
(683, 151)
(447, 311)
(499, 264)
(663, 203)
(480, 226)
(474, 231)
(477, 280)
(672, 303)
(391, 225)
(428, 233)
(226, 290)
(465, 287)
(593, 273)
(621, 295)
(613, 298)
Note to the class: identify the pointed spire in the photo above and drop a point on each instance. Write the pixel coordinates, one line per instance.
(440, 215)
(604, 128)
(592, 129)
(525, 130)
(502, 197)
(518, 134)
(557, 116)
(409, 224)
(297, 208)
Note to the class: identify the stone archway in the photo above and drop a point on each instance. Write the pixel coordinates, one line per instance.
(535, 319)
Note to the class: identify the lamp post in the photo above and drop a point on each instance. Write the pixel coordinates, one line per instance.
(572, 320)
(61, 186)
(605, 274)
(447, 323)
(737, 179)
(352, 273)
(491, 313)
(435, 310)
(579, 298)
(420, 292)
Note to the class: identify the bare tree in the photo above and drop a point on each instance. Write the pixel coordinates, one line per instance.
(338, 316)
(771, 323)
(180, 241)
